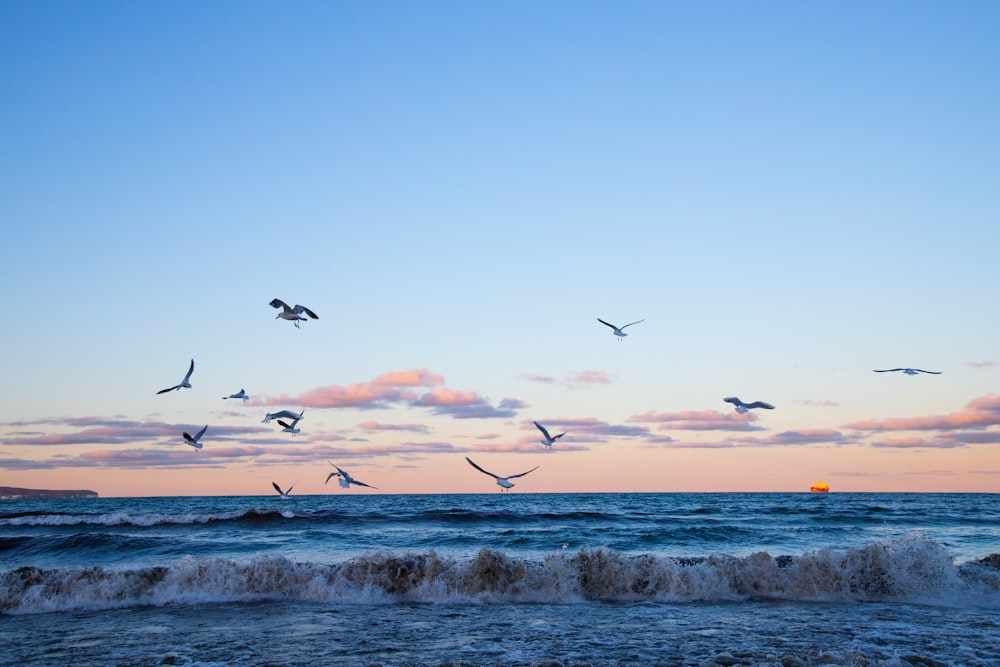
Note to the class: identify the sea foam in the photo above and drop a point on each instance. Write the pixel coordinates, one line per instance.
(909, 569)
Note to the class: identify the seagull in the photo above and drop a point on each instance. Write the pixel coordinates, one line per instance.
(503, 482)
(240, 394)
(284, 494)
(290, 428)
(195, 441)
(293, 314)
(346, 480)
(618, 330)
(909, 371)
(742, 407)
(549, 440)
(186, 382)
(287, 414)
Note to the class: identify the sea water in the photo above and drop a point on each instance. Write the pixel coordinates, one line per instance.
(503, 579)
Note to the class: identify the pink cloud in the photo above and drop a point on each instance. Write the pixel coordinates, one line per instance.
(805, 437)
(916, 442)
(378, 393)
(574, 380)
(817, 403)
(375, 426)
(543, 379)
(115, 432)
(587, 378)
(701, 420)
(979, 413)
(419, 377)
(466, 404)
(588, 429)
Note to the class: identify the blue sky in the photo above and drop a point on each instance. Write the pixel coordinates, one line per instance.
(791, 194)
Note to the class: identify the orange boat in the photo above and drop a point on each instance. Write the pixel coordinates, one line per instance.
(820, 487)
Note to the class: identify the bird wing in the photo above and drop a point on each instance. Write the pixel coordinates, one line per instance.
(473, 464)
(522, 474)
(636, 322)
(278, 488)
(201, 433)
(283, 424)
(890, 370)
(931, 372)
(332, 474)
(354, 481)
(302, 309)
(163, 391)
(187, 437)
(760, 404)
(187, 376)
(733, 400)
(542, 429)
(607, 324)
(559, 436)
(278, 303)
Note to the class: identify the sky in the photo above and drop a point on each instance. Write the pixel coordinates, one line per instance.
(790, 195)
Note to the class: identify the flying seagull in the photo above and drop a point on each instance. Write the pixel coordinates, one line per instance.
(196, 440)
(284, 494)
(186, 382)
(346, 480)
(240, 394)
(742, 407)
(549, 440)
(290, 428)
(503, 482)
(287, 414)
(908, 371)
(293, 314)
(618, 330)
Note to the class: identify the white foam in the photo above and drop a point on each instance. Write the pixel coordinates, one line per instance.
(910, 570)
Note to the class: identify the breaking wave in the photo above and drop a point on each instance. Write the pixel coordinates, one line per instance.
(139, 519)
(906, 570)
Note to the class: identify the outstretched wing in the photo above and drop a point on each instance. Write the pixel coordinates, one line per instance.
(278, 488)
(542, 429)
(733, 400)
(163, 391)
(522, 474)
(354, 481)
(302, 309)
(890, 370)
(283, 424)
(760, 404)
(487, 472)
(636, 322)
(332, 474)
(187, 376)
(607, 324)
(201, 433)
(931, 372)
(278, 303)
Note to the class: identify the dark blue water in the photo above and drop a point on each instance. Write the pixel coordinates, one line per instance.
(574, 578)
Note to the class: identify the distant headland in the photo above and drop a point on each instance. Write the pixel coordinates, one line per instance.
(12, 493)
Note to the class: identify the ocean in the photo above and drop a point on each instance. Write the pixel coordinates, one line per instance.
(355, 578)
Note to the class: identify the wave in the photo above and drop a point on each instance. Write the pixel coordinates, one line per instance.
(905, 570)
(455, 516)
(142, 520)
